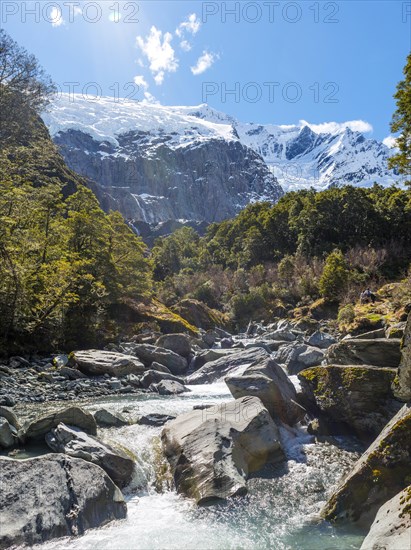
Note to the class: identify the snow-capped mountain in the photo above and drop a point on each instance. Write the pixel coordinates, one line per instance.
(157, 163)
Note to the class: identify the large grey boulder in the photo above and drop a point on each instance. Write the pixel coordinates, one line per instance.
(212, 451)
(321, 340)
(73, 416)
(154, 377)
(73, 442)
(381, 472)
(168, 387)
(350, 396)
(297, 357)
(179, 343)
(106, 419)
(9, 415)
(218, 369)
(206, 356)
(282, 334)
(380, 352)
(54, 496)
(402, 383)
(391, 529)
(97, 362)
(6, 434)
(267, 381)
(149, 354)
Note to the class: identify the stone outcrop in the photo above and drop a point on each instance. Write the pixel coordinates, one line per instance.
(73, 442)
(402, 383)
(179, 343)
(357, 397)
(382, 471)
(106, 419)
(297, 357)
(54, 496)
(148, 354)
(380, 352)
(212, 451)
(72, 416)
(391, 529)
(96, 362)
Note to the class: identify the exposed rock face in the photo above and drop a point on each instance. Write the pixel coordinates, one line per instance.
(380, 352)
(358, 397)
(212, 451)
(154, 377)
(199, 314)
(267, 381)
(95, 362)
(382, 471)
(321, 340)
(6, 434)
(75, 443)
(73, 416)
(218, 369)
(75, 496)
(179, 343)
(391, 529)
(105, 419)
(402, 384)
(149, 354)
(297, 357)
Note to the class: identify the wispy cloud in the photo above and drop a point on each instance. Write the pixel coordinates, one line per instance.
(338, 127)
(142, 83)
(390, 142)
(56, 17)
(159, 52)
(204, 62)
(191, 25)
(185, 45)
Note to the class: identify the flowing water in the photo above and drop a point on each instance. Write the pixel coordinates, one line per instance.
(278, 513)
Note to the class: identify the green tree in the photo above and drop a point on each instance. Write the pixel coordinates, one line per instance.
(401, 122)
(335, 276)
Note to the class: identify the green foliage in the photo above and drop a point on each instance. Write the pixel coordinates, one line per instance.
(346, 315)
(401, 122)
(335, 276)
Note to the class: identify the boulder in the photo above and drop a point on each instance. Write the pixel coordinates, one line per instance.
(321, 340)
(159, 368)
(71, 374)
(6, 434)
(402, 383)
(8, 414)
(297, 357)
(97, 362)
(199, 314)
(218, 369)
(179, 343)
(212, 451)
(73, 416)
(284, 335)
(155, 419)
(73, 442)
(149, 354)
(357, 397)
(267, 381)
(371, 335)
(391, 529)
(168, 387)
(381, 472)
(207, 356)
(379, 352)
(54, 496)
(395, 331)
(154, 377)
(106, 419)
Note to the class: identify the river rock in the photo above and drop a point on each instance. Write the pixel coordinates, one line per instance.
(282, 334)
(379, 352)
(54, 496)
(73, 442)
(321, 340)
(402, 383)
(206, 356)
(71, 374)
(357, 397)
(218, 369)
(168, 387)
(97, 362)
(6, 434)
(149, 354)
(267, 381)
(179, 343)
(159, 368)
(391, 529)
(73, 416)
(9, 415)
(297, 357)
(154, 377)
(155, 419)
(105, 419)
(382, 471)
(212, 451)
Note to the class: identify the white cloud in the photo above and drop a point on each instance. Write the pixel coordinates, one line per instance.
(141, 82)
(185, 45)
(191, 25)
(159, 52)
(204, 62)
(56, 17)
(390, 141)
(339, 127)
(149, 98)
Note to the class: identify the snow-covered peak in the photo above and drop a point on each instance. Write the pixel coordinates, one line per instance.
(105, 119)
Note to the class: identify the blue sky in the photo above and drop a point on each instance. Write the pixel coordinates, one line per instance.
(282, 61)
